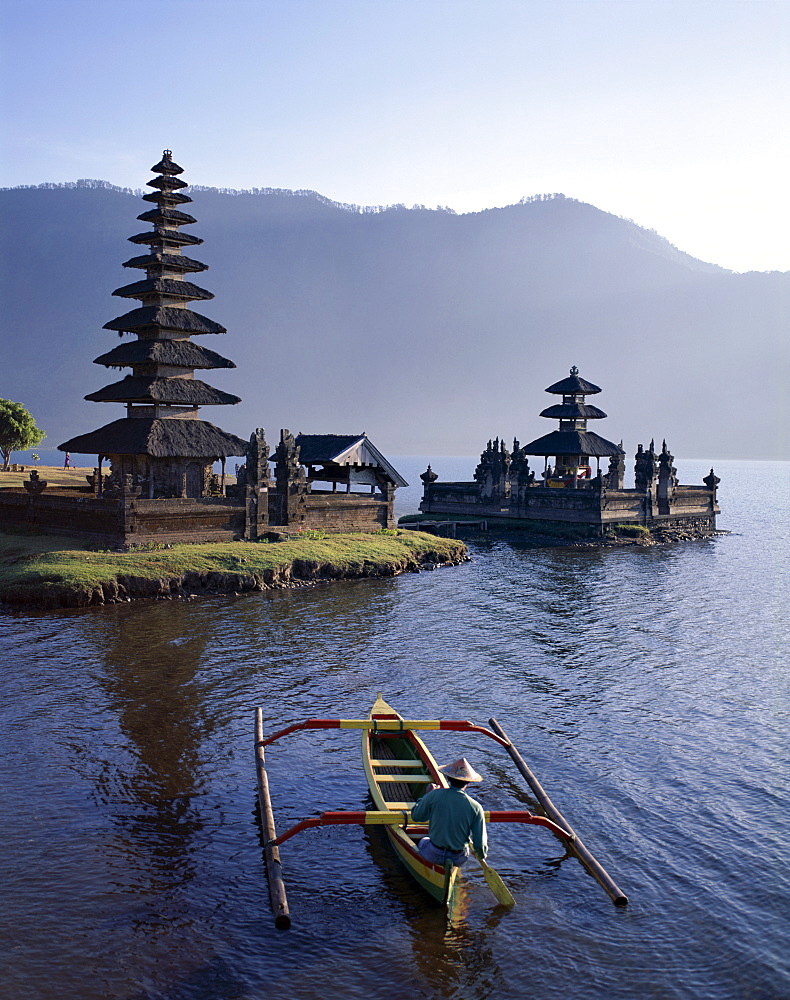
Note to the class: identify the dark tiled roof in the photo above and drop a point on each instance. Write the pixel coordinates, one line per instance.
(173, 438)
(163, 352)
(164, 286)
(315, 448)
(573, 385)
(174, 262)
(572, 443)
(147, 389)
(166, 318)
(573, 411)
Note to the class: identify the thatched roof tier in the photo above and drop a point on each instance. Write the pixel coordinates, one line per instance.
(167, 183)
(167, 165)
(162, 357)
(167, 198)
(167, 215)
(572, 443)
(165, 318)
(174, 262)
(147, 389)
(573, 386)
(182, 353)
(573, 411)
(163, 286)
(171, 237)
(174, 438)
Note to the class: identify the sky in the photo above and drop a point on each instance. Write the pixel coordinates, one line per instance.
(673, 114)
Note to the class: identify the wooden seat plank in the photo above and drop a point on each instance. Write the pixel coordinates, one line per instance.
(404, 779)
(397, 763)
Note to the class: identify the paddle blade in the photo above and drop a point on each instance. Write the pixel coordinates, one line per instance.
(496, 885)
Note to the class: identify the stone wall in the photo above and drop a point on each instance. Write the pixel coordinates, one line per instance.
(340, 512)
(590, 504)
(61, 512)
(116, 522)
(206, 519)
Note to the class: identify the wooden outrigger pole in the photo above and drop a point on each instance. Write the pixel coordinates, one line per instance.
(274, 868)
(553, 819)
(575, 845)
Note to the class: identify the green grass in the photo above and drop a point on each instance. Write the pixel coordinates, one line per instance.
(631, 530)
(60, 571)
(53, 474)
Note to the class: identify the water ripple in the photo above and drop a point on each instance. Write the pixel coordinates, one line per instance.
(646, 687)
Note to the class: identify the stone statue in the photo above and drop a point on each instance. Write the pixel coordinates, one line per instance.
(290, 478)
(667, 481)
(493, 471)
(615, 474)
(256, 468)
(429, 477)
(521, 477)
(711, 481)
(253, 478)
(645, 469)
(35, 484)
(667, 473)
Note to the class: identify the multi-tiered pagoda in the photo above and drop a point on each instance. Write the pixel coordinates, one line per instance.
(162, 446)
(572, 445)
(507, 494)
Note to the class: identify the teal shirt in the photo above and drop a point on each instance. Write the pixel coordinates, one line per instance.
(453, 819)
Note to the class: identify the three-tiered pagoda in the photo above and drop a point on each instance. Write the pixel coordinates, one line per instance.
(572, 445)
(161, 446)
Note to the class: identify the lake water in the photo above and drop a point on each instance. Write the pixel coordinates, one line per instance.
(647, 688)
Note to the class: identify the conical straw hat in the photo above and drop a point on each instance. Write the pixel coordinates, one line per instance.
(461, 770)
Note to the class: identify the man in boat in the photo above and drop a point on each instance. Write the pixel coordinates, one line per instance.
(453, 818)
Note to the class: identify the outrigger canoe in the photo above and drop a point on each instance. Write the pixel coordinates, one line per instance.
(399, 768)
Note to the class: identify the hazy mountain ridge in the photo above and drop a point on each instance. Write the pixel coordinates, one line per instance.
(430, 330)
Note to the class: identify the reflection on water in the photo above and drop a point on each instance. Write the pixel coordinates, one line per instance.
(451, 958)
(151, 679)
(646, 687)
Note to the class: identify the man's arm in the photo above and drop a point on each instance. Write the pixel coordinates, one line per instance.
(421, 810)
(478, 832)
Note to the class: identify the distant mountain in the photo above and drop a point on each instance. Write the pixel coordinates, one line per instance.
(429, 330)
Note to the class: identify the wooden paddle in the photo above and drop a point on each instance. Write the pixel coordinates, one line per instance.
(495, 884)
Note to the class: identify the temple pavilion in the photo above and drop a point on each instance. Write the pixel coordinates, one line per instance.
(572, 445)
(351, 460)
(161, 446)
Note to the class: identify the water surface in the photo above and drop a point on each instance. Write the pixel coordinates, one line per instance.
(647, 688)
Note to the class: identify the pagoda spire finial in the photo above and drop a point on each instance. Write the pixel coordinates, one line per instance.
(574, 370)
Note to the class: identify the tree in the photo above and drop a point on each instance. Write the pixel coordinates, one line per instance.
(18, 430)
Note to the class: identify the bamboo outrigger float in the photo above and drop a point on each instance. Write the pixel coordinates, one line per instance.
(399, 767)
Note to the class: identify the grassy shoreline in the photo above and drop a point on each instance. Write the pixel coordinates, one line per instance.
(51, 571)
